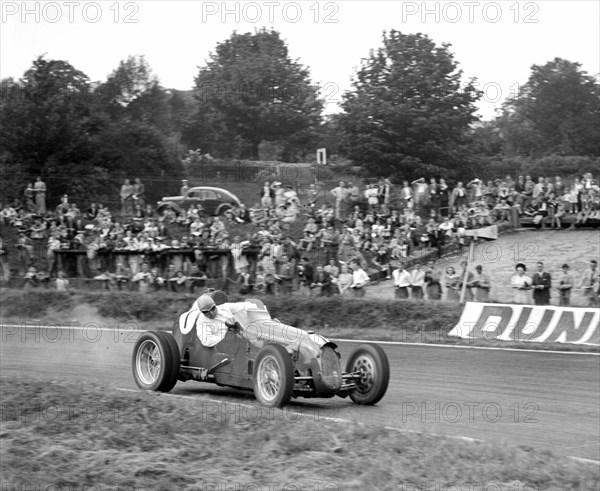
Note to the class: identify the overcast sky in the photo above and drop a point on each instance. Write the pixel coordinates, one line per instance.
(497, 42)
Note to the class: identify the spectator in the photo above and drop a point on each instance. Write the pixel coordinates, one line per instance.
(285, 275)
(521, 284)
(432, 282)
(32, 279)
(184, 187)
(565, 285)
(139, 191)
(482, 285)
(40, 196)
(332, 269)
(4, 266)
(339, 193)
(156, 281)
(417, 281)
(360, 279)
(29, 194)
(305, 276)
(62, 284)
(541, 284)
(24, 252)
(406, 196)
(458, 197)
(452, 283)
(590, 282)
(402, 281)
(143, 278)
(321, 284)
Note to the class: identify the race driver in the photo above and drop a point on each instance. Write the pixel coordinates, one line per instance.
(211, 320)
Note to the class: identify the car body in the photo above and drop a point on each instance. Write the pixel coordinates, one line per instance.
(214, 201)
(259, 353)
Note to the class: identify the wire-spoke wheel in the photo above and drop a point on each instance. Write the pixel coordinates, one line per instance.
(156, 361)
(370, 362)
(273, 376)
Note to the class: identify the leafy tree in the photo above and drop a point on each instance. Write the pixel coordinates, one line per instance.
(407, 113)
(556, 112)
(249, 91)
(83, 140)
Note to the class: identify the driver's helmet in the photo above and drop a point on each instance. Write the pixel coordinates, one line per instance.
(205, 303)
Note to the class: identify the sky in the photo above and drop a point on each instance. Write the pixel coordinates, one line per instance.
(496, 42)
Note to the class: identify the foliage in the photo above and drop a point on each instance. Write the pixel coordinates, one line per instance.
(249, 91)
(556, 112)
(84, 138)
(407, 113)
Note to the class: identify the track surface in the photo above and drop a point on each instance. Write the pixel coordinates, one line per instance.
(543, 400)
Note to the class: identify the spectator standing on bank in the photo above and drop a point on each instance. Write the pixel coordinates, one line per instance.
(452, 283)
(401, 278)
(4, 266)
(139, 193)
(360, 279)
(321, 282)
(590, 282)
(339, 193)
(541, 284)
(40, 196)
(126, 195)
(344, 280)
(62, 284)
(482, 285)
(185, 187)
(417, 281)
(143, 278)
(29, 198)
(521, 283)
(565, 285)
(432, 282)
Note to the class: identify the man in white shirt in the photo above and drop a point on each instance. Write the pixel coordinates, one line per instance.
(339, 193)
(211, 320)
(359, 280)
(417, 281)
(402, 281)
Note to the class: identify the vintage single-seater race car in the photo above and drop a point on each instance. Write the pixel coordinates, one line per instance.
(262, 354)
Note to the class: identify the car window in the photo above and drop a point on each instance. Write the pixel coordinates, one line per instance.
(193, 194)
(207, 194)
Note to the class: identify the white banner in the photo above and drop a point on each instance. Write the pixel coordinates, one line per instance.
(529, 323)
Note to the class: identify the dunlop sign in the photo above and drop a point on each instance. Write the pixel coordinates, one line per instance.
(532, 323)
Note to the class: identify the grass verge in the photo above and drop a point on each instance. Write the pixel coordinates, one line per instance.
(68, 436)
(334, 318)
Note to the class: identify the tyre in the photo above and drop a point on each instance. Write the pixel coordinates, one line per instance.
(155, 361)
(372, 363)
(273, 376)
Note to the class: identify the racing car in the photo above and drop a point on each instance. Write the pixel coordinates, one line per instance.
(262, 354)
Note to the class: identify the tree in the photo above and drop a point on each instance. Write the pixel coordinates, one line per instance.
(249, 91)
(556, 112)
(406, 113)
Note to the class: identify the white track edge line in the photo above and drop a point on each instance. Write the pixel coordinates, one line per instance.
(396, 343)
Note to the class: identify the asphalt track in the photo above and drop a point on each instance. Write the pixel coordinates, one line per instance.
(549, 401)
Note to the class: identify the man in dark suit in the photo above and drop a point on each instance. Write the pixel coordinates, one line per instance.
(322, 281)
(541, 284)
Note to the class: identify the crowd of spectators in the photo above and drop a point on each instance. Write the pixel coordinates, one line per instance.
(313, 240)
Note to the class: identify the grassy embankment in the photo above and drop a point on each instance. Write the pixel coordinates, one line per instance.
(69, 436)
(334, 318)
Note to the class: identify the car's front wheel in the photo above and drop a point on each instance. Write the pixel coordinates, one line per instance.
(273, 376)
(155, 361)
(371, 363)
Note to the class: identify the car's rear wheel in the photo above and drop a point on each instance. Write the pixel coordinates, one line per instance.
(155, 361)
(371, 362)
(273, 376)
